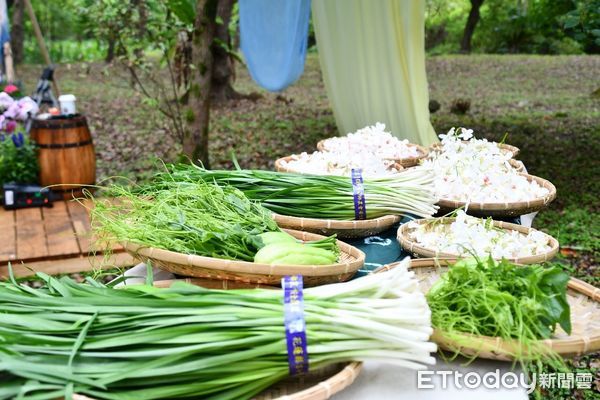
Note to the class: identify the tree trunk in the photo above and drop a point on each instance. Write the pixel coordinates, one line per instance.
(17, 31)
(110, 52)
(143, 18)
(223, 68)
(472, 20)
(197, 113)
(140, 29)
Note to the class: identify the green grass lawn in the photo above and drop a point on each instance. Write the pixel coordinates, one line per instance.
(543, 102)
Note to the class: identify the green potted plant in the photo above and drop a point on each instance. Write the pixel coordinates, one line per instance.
(18, 158)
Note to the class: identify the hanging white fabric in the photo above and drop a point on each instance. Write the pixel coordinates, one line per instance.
(372, 56)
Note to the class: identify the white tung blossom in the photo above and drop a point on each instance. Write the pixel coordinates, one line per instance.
(372, 139)
(339, 163)
(477, 171)
(468, 235)
(371, 149)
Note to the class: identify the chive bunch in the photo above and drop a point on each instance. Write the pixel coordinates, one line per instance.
(202, 219)
(316, 196)
(142, 342)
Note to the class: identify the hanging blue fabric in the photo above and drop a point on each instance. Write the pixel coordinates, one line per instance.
(274, 35)
(4, 30)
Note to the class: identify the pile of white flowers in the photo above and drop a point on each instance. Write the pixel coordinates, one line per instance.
(372, 139)
(468, 235)
(475, 170)
(338, 163)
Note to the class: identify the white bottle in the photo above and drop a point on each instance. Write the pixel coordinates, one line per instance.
(67, 104)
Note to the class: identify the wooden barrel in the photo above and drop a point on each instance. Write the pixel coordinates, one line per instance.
(65, 153)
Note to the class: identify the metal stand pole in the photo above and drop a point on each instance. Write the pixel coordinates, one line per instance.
(40, 40)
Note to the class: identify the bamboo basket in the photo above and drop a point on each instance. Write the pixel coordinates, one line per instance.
(320, 384)
(584, 300)
(405, 162)
(419, 251)
(505, 209)
(351, 259)
(279, 167)
(507, 148)
(517, 165)
(343, 229)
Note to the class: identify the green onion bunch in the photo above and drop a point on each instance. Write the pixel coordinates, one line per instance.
(143, 342)
(202, 219)
(315, 196)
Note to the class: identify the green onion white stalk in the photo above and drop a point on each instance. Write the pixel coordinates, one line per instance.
(313, 196)
(143, 342)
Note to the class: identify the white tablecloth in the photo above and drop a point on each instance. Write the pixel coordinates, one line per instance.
(379, 381)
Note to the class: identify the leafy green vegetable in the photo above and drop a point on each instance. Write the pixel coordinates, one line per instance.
(276, 237)
(198, 218)
(294, 254)
(281, 248)
(497, 298)
(500, 299)
(202, 219)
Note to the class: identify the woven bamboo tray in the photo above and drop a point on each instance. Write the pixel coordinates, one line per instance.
(517, 165)
(583, 298)
(316, 385)
(405, 162)
(505, 209)
(419, 251)
(343, 229)
(351, 259)
(279, 167)
(503, 147)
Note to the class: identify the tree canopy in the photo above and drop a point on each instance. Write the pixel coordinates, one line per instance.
(82, 30)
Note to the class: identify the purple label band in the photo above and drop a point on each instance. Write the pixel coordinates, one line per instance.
(360, 204)
(295, 326)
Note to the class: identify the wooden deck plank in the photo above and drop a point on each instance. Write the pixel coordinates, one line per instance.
(59, 231)
(40, 234)
(69, 265)
(31, 234)
(29, 214)
(80, 215)
(8, 236)
(81, 224)
(7, 217)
